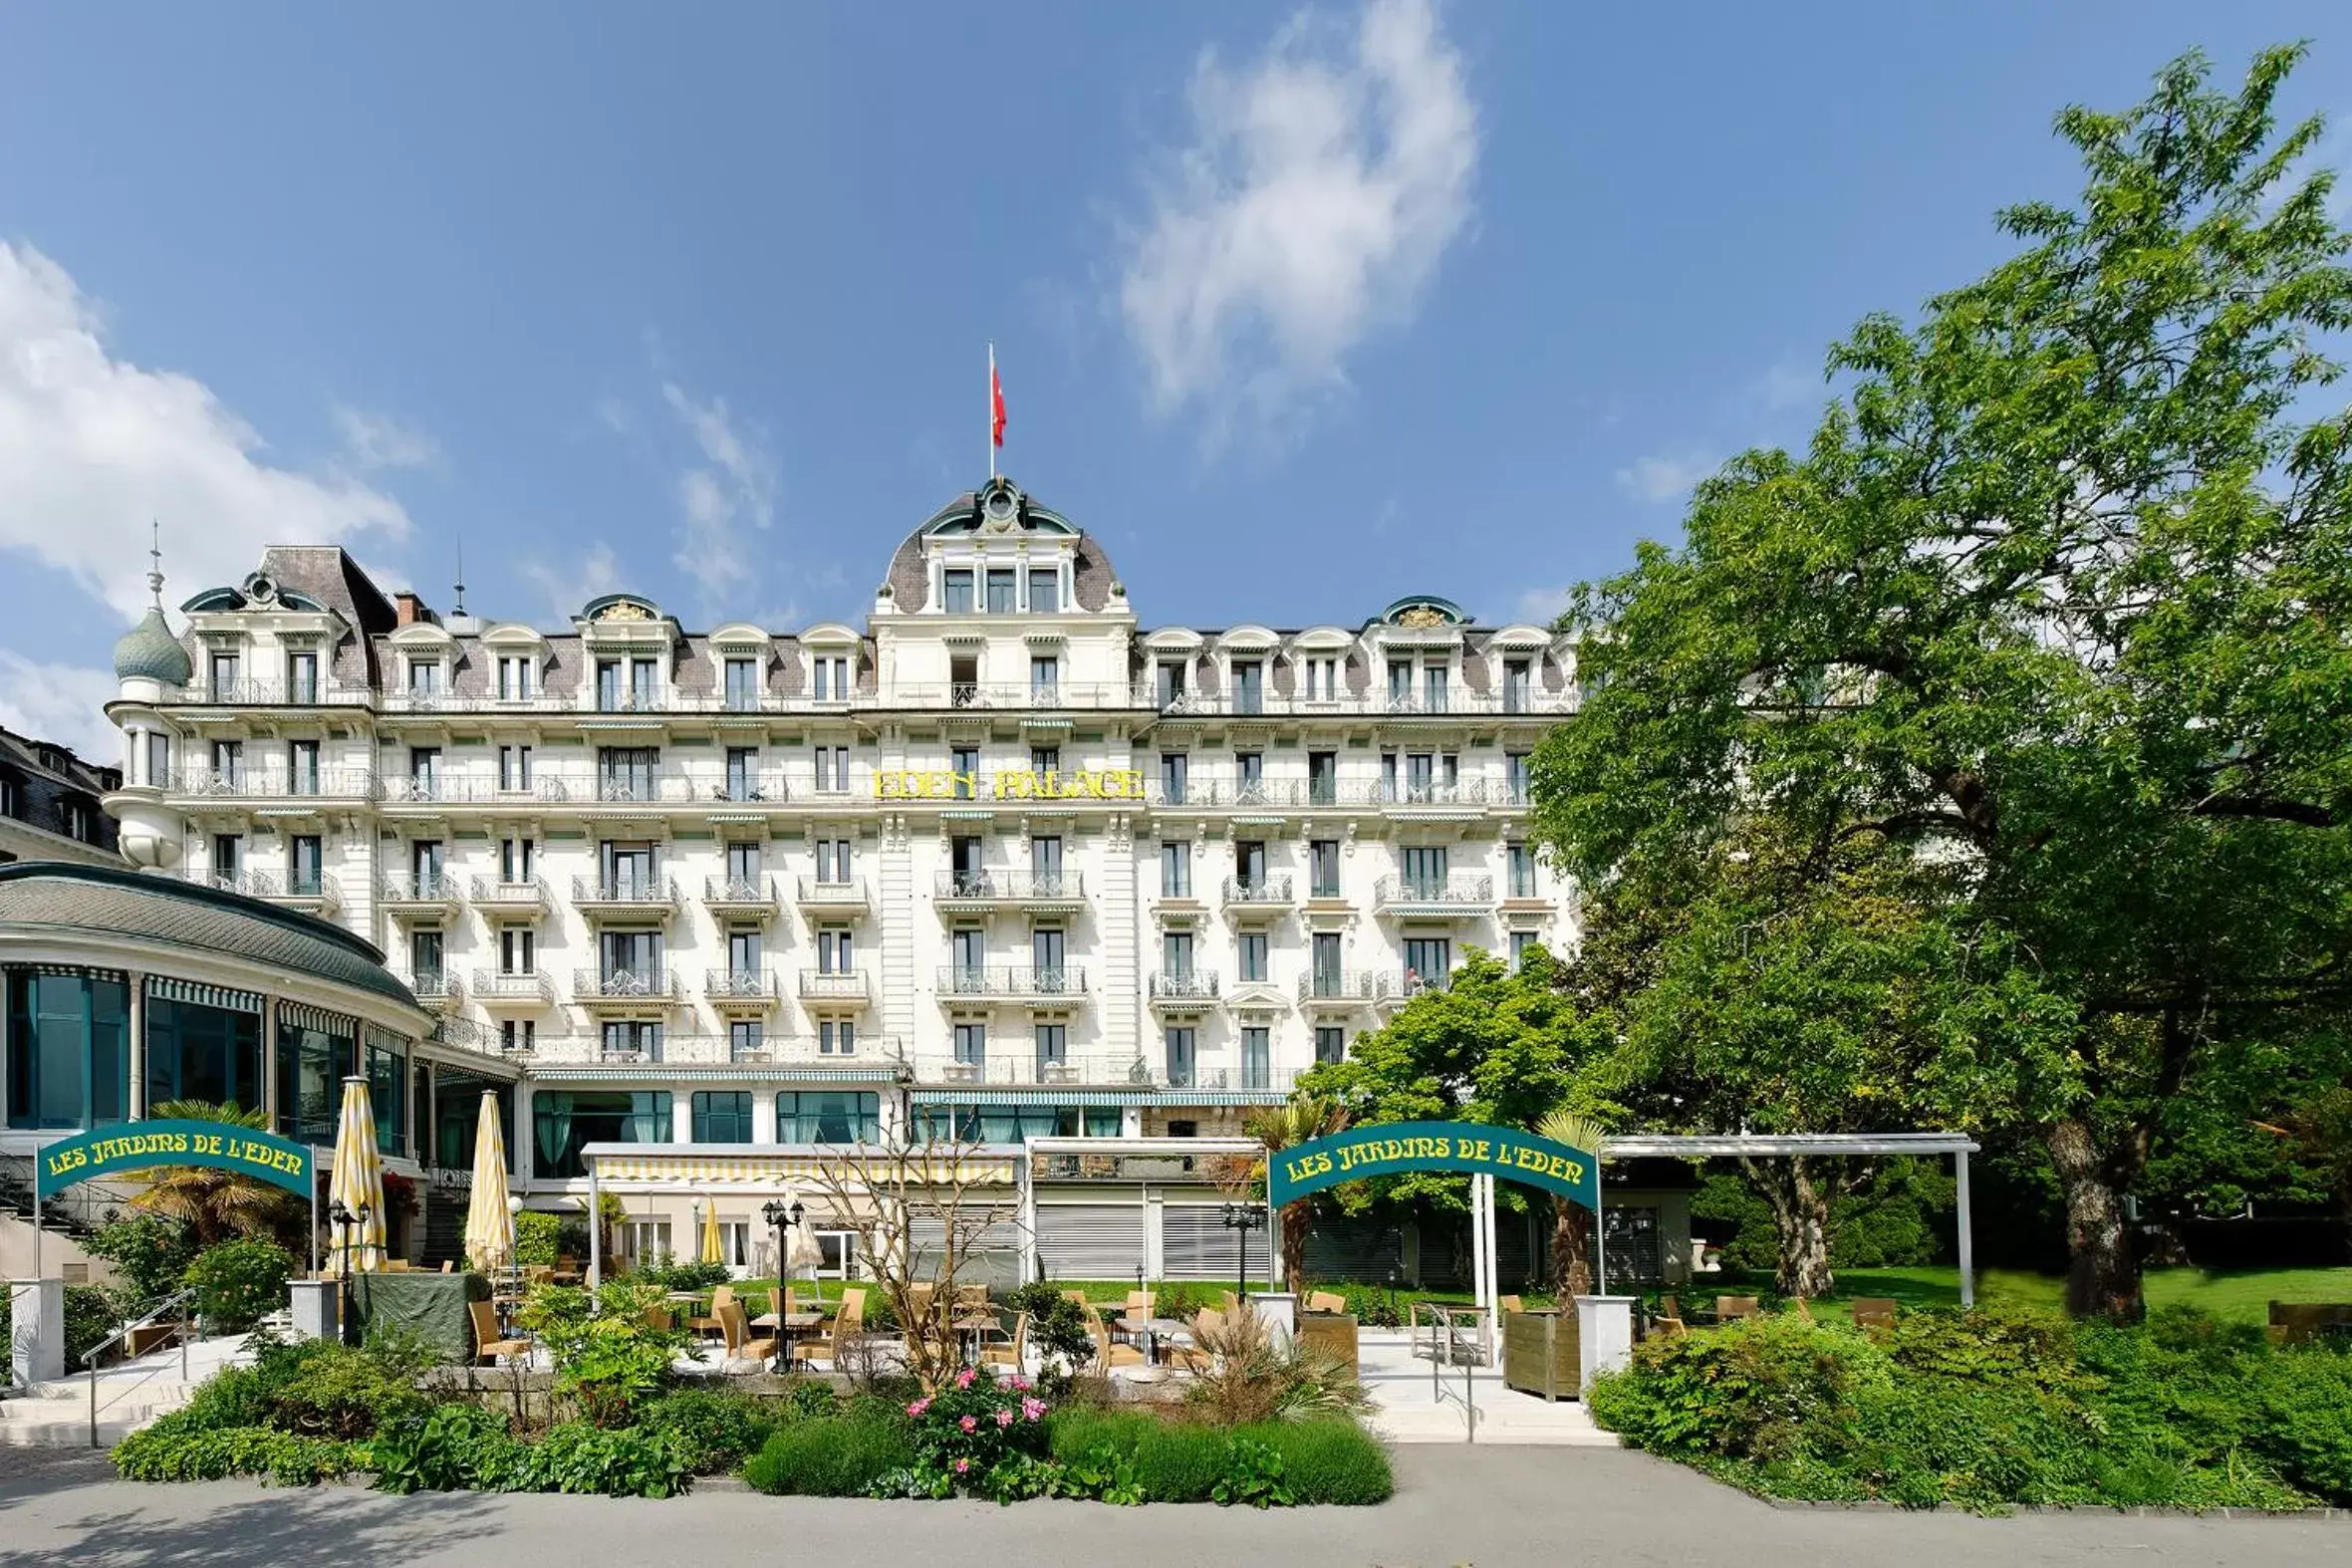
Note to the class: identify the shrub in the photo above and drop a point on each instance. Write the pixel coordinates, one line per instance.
(831, 1455)
(1253, 1379)
(1057, 1325)
(344, 1394)
(151, 1255)
(536, 1232)
(171, 1454)
(609, 1463)
(974, 1425)
(2305, 1427)
(670, 1275)
(238, 1283)
(1766, 1388)
(609, 1361)
(1332, 1461)
(454, 1447)
(716, 1431)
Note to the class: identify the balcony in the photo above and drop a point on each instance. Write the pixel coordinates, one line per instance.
(740, 897)
(1228, 795)
(1037, 892)
(875, 1057)
(1407, 984)
(273, 785)
(1065, 987)
(822, 901)
(623, 896)
(437, 988)
(836, 988)
(497, 992)
(314, 893)
(417, 893)
(496, 895)
(1511, 701)
(1341, 990)
(1010, 1063)
(1266, 897)
(1461, 896)
(1182, 991)
(741, 990)
(269, 693)
(625, 988)
(1035, 697)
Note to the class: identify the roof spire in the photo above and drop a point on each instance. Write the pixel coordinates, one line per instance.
(156, 561)
(459, 607)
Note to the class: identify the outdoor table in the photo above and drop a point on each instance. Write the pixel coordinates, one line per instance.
(974, 1326)
(788, 1327)
(1155, 1332)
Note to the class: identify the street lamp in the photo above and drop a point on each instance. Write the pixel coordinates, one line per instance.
(345, 1218)
(782, 1217)
(1241, 1220)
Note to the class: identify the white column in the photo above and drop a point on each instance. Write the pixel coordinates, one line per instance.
(1967, 1232)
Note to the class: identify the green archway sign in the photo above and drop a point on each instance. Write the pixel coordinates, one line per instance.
(1469, 1146)
(132, 1146)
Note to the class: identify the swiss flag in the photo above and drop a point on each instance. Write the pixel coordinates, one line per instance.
(996, 403)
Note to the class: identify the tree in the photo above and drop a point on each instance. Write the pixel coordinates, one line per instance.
(1303, 1118)
(2057, 597)
(216, 1206)
(1496, 1045)
(1572, 1223)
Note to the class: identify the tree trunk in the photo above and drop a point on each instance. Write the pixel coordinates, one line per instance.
(1572, 1248)
(1293, 1220)
(2102, 1274)
(1800, 1223)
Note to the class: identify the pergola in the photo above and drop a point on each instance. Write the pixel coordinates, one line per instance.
(1753, 1145)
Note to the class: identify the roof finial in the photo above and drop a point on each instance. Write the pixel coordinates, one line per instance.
(156, 560)
(459, 607)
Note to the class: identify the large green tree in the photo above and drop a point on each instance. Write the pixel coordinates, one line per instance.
(2059, 596)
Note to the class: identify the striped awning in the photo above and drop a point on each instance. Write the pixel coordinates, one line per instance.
(1107, 1099)
(708, 1164)
(380, 1040)
(304, 1016)
(166, 989)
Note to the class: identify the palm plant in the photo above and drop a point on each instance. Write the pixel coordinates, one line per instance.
(1572, 1222)
(1302, 1118)
(217, 1204)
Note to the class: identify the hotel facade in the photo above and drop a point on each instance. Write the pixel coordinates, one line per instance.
(1002, 860)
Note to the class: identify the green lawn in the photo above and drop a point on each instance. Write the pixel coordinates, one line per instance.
(2240, 1296)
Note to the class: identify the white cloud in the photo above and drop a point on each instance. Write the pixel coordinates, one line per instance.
(1787, 384)
(1665, 476)
(1324, 183)
(59, 702)
(92, 447)
(378, 441)
(733, 488)
(596, 573)
(1541, 606)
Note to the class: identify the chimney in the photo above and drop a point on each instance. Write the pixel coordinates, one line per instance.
(408, 610)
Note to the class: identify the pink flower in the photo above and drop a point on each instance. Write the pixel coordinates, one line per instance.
(962, 1466)
(919, 1405)
(964, 1378)
(1004, 1417)
(1022, 1384)
(968, 1424)
(1032, 1409)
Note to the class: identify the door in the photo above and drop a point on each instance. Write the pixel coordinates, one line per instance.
(1045, 953)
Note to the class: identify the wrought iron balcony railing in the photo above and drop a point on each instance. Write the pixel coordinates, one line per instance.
(1023, 886)
(1459, 891)
(1183, 985)
(495, 985)
(649, 891)
(993, 980)
(653, 982)
(1343, 985)
(739, 984)
(1257, 890)
(417, 886)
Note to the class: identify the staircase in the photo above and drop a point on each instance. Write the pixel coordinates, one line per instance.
(55, 1413)
(444, 1228)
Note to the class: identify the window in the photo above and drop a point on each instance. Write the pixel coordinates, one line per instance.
(514, 769)
(1425, 870)
(641, 1241)
(159, 763)
(1388, 776)
(424, 773)
(387, 1087)
(742, 773)
(1176, 869)
(1173, 766)
(1045, 590)
(1322, 673)
(1170, 675)
(1400, 682)
(311, 1063)
(1045, 678)
(743, 869)
(742, 686)
(631, 961)
(1000, 589)
(747, 1039)
(743, 952)
(1521, 943)
(835, 956)
(1329, 979)
(301, 679)
(969, 878)
(1045, 866)
(968, 948)
(424, 679)
(1249, 769)
(1428, 963)
(197, 1051)
(832, 769)
(1323, 869)
(514, 677)
(224, 673)
(76, 821)
(645, 685)
(514, 1034)
(1331, 1044)
(1053, 1047)
(1175, 954)
(964, 763)
(1183, 1128)
(626, 772)
(1249, 691)
(229, 764)
(1045, 759)
(1514, 777)
(518, 860)
(722, 1116)
(957, 582)
(564, 1122)
(8, 800)
(424, 865)
(1181, 1042)
(1421, 773)
(305, 875)
(1523, 864)
(1322, 778)
(607, 686)
(1250, 861)
(837, 1037)
(1257, 1063)
(633, 1040)
(1046, 956)
(828, 1117)
(1517, 685)
(628, 868)
(829, 678)
(833, 860)
(1432, 689)
(518, 951)
(301, 768)
(1251, 949)
(424, 957)
(228, 858)
(971, 1042)
(69, 1050)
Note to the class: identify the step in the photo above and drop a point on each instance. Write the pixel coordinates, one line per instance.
(64, 1423)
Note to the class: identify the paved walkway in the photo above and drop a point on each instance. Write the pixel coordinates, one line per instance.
(1407, 1409)
(1490, 1508)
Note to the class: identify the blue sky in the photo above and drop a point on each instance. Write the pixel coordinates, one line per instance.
(1299, 311)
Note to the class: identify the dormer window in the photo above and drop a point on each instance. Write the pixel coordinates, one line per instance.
(223, 671)
(956, 583)
(829, 677)
(1249, 688)
(1518, 685)
(516, 677)
(1432, 689)
(1000, 589)
(1170, 682)
(742, 686)
(425, 678)
(1045, 590)
(1322, 672)
(302, 678)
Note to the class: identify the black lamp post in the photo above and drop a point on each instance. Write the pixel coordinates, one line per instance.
(345, 1219)
(781, 1216)
(1241, 1220)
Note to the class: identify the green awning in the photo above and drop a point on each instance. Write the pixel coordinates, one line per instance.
(1173, 1099)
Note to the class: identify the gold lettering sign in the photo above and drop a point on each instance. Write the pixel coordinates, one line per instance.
(1018, 784)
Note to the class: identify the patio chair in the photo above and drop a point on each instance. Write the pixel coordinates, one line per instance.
(658, 1319)
(1011, 1353)
(721, 1295)
(488, 1344)
(1668, 1328)
(1670, 1306)
(1511, 1304)
(1730, 1307)
(1326, 1301)
(847, 1325)
(396, 1265)
(1875, 1312)
(1188, 1354)
(1109, 1353)
(1142, 1303)
(741, 1345)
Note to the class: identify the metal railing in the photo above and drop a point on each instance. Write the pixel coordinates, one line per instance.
(180, 1300)
(1404, 704)
(992, 981)
(816, 893)
(494, 985)
(655, 984)
(241, 783)
(1015, 885)
(1343, 985)
(418, 887)
(1259, 889)
(1019, 1064)
(649, 891)
(493, 890)
(834, 984)
(1183, 985)
(320, 887)
(688, 1050)
(1466, 889)
(270, 693)
(739, 891)
(437, 986)
(743, 984)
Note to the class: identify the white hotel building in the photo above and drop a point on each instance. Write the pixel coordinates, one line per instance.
(1000, 854)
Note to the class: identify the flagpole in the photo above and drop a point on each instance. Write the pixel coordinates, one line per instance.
(992, 410)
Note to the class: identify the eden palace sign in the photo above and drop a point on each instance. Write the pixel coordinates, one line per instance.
(1017, 784)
